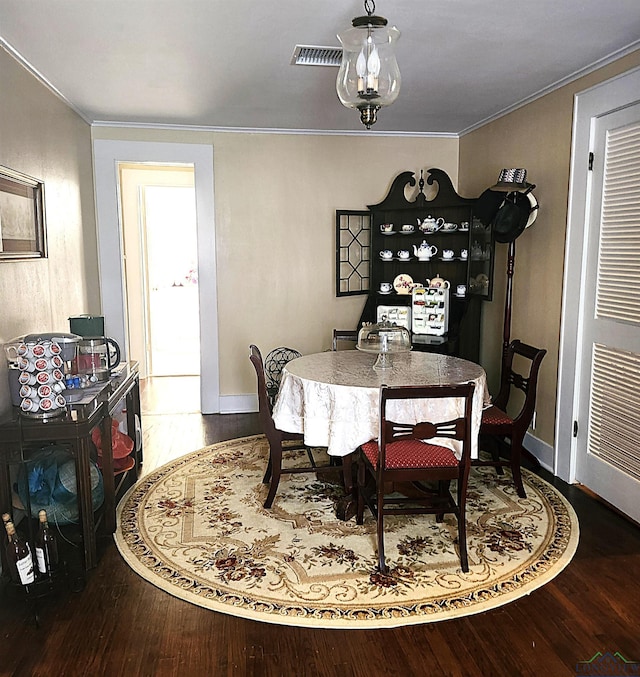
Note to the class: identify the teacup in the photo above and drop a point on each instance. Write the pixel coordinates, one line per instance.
(386, 254)
(461, 290)
(385, 287)
(464, 253)
(464, 225)
(450, 226)
(386, 227)
(403, 254)
(447, 253)
(407, 228)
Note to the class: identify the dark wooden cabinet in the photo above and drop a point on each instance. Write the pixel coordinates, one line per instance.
(21, 438)
(468, 233)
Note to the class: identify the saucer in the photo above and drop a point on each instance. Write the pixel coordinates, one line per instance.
(387, 232)
(385, 292)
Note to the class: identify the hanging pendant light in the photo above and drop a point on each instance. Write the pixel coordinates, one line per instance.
(369, 77)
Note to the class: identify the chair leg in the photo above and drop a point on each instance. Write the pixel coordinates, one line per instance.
(462, 521)
(275, 461)
(443, 490)
(516, 446)
(267, 474)
(380, 520)
(361, 482)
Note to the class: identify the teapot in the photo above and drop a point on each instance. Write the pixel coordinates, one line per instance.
(430, 225)
(476, 252)
(425, 251)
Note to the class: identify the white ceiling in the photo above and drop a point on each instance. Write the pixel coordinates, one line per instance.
(226, 63)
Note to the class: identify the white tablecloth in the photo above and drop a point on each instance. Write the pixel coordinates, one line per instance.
(332, 398)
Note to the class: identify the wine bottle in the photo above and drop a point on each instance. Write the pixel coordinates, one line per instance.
(46, 547)
(19, 557)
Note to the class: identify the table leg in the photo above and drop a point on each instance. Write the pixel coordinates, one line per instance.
(347, 506)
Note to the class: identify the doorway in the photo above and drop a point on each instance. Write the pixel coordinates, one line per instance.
(113, 259)
(161, 268)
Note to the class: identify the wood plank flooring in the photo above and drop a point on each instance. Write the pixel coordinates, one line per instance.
(122, 625)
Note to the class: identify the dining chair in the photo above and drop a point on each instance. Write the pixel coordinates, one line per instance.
(500, 432)
(344, 335)
(274, 363)
(404, 453)
(276, 437)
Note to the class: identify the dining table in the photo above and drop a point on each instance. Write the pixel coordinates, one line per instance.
(332, 398)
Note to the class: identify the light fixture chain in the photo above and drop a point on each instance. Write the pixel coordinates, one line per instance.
(369, 6)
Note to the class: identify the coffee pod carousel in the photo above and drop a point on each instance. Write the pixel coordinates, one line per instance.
(384, 339)
(41, 377)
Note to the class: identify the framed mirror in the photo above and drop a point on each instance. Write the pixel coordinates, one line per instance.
(22, 224)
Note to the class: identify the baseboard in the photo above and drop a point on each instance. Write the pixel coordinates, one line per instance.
(238, 404)
(541, 450)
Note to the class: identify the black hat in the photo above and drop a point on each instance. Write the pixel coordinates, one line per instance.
(487, 205)
(517, 212)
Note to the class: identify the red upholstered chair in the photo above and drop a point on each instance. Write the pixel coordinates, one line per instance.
(274, 436)
(501, 433)
(403, 453)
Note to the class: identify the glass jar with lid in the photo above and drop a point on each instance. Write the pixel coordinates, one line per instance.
(383, 338)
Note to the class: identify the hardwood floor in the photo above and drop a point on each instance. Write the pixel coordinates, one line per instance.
(122, 625)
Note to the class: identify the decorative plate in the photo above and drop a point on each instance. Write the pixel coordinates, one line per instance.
(403, 284)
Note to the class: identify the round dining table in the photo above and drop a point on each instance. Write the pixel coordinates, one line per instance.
(332, 398)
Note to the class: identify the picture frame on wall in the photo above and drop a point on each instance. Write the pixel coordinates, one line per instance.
(22, 220)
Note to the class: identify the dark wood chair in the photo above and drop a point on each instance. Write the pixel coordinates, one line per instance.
(274, 363)
(274, 436)
(501, 433)
(344, 335)
(402, 454)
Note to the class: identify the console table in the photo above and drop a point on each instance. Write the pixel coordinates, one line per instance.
(21, 437)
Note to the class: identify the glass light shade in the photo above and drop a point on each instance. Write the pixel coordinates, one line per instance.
(369, 77)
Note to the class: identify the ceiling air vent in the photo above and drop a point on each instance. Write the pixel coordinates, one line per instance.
(306, 55)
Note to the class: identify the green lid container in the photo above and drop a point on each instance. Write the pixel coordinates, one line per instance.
(87, 326)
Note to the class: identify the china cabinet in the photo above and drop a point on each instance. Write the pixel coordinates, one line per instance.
(417, 239)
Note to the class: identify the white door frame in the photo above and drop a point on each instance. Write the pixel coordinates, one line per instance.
(107, 155)
(597, 101)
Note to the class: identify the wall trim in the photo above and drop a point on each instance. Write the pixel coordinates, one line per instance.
(541, 450)
(269, 130)
(238, 404)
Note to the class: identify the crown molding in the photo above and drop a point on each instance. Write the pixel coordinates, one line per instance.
(576, 75)
(269, 130)
(41, 78)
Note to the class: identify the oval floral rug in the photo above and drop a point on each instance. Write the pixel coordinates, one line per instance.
(196, 528)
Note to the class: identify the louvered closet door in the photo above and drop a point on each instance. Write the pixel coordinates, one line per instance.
(608, 459)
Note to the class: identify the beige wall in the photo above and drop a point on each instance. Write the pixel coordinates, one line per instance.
(43, 138)
(275, 203)
(537, 137)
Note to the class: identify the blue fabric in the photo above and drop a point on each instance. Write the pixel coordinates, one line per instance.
(51, 480)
